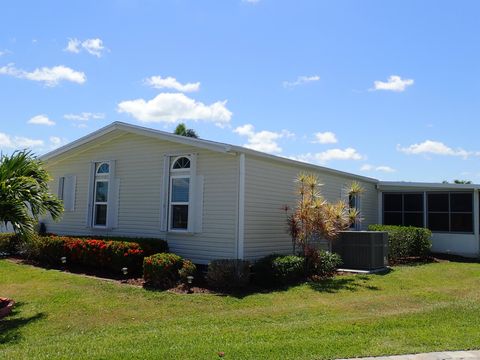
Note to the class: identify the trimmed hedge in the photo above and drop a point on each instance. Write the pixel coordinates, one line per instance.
(322, 264)
(405, 241)
(228, 274)
(110, 255)
(150, 245)
(278, 270)
(165, 270)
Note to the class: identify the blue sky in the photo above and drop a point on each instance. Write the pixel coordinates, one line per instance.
(387, 89)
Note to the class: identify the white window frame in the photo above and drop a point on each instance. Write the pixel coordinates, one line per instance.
(175, 174)
(100, 178)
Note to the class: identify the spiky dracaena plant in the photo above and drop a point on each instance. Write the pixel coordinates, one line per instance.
(24, 193)
(315, 217)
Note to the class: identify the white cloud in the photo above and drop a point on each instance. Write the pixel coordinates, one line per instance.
(41, 120)
(434, 148)
(73, 46)
(265, 141)
(174, 107)
(394, 83)
(92, 46)
(251, 1)
(49, 76)
(327, 137)
(329, 155)
(18, 142)
(381, 168)
(171, 83)
(56, 142)
(301, 80)
(84, 116)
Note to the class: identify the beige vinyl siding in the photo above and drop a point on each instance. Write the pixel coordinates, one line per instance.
(269, 185)
(139, 168)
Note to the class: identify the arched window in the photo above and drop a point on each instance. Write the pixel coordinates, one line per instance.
(100, 196)
(181, 163)
(179, 198)
(103, 168)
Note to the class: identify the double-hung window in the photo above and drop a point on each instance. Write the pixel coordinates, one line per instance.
(100, 194)
(179, 194)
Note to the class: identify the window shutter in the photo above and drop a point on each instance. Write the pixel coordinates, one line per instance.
(198, 207)
(344, 193)
(61, 185)
(113, 188)
(164, 193)
(91, 185)
(69, 189)
(192, 215)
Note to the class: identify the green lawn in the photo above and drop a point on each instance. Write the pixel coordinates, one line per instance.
(423, 308)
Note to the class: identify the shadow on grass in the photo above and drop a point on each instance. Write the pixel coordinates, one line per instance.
(10, 326)
(341, 283)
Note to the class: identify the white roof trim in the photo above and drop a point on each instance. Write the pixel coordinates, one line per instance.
(211, 145)
(200, 143)
(392, 185)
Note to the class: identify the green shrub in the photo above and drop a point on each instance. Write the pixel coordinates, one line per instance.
(405, 241)
(47, 249)
(322, 264)
(162, 270)
(9, 243)
(228, 274)
(278, 270)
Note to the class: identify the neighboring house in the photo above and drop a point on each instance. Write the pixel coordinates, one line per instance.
(211, 200)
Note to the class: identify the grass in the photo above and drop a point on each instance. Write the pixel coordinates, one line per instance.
(430, 307)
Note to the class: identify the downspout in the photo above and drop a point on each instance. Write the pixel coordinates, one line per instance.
(241, 208)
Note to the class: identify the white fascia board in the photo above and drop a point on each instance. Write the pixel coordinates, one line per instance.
(128, 128)
(314, 167)
(400, 185)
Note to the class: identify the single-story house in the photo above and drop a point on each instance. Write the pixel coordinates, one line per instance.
(211, 200)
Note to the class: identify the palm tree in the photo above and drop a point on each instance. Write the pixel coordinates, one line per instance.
(24, 193)
(182, 130)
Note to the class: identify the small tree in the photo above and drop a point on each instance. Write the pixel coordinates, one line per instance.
(24, 193)
(182, 130)
(315, 217)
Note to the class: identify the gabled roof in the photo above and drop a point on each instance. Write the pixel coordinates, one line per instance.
(117, 125)
(199, 143)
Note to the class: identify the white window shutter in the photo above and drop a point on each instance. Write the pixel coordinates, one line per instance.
(164, 194)
(198, 210)
(112, 204)
(61, 186)
(91, 185)
(344, 193)
(69, 190)
(193, 194)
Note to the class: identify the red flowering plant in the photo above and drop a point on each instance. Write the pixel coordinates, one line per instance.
(165, 270)
(108, 255)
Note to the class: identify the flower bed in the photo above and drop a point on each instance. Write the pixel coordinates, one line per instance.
(106, 255)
